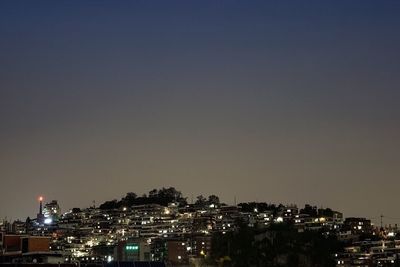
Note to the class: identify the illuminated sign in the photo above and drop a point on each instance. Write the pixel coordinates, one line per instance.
(132, 247)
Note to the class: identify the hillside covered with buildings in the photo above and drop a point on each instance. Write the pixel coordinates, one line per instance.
(162, 227)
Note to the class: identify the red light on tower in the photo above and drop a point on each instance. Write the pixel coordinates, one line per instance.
(40, 199)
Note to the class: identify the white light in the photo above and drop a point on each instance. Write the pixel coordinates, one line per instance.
(48, 221)
(279, 219)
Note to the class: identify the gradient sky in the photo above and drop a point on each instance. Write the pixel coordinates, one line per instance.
(277, 101)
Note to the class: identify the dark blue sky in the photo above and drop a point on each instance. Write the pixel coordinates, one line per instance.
(278, 101)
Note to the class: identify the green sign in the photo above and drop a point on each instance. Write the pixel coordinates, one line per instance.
(132, 247)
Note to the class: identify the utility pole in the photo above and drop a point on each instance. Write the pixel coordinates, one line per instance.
(381, 221)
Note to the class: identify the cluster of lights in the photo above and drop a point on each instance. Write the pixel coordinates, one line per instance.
(148, 220)
(132, 247)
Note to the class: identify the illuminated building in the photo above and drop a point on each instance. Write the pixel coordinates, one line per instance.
(358, 225)
(51, 212)
(132, 250)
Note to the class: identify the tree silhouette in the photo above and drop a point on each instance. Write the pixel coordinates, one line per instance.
(278, 245)
(163, 197)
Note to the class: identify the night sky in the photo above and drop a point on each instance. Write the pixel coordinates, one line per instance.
(277, 101)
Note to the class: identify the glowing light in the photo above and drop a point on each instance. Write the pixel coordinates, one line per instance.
(48, 221)
(132, 247)
(41, 198)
